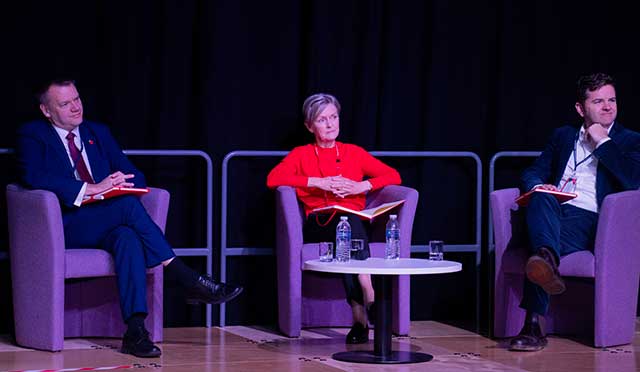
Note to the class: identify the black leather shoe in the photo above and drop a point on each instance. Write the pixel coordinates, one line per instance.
(138, 343)
(208, 291)
(541, 269)
(530, 338)
(358, 334)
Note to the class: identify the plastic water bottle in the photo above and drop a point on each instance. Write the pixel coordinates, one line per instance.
(343, 240)
(392, 250)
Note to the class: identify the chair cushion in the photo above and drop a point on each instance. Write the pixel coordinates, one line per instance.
(84, 263)
(581, 264)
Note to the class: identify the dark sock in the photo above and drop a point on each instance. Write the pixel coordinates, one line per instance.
(185, 275)
(531, 317)
(135, 323)
(552, 253)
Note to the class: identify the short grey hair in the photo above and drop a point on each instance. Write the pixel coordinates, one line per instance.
(314, 104)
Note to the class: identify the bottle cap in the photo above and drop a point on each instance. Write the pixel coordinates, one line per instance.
(393, 216)
(343, 218)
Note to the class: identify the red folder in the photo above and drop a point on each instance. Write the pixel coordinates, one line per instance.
(113, 192)
(523, 200)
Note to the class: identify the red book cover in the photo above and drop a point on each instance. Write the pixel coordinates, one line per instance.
(113, 192)
(523, 200)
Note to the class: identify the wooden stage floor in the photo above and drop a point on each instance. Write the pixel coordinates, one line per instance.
(243, 348)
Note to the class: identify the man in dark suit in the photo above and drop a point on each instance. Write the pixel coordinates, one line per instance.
(598, 158)
(75, 158)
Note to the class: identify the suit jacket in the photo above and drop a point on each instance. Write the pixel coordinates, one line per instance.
(43, 162)
(618, 161)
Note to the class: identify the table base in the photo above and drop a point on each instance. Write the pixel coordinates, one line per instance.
(396, 357)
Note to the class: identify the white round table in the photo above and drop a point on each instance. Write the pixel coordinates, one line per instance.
(383, 271)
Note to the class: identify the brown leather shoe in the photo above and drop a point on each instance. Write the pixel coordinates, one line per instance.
(530, 338)
(541, 269)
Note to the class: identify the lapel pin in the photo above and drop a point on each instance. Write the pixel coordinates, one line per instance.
(91, 142)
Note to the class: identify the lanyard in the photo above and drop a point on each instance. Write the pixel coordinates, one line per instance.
(326, 199)
(576, 163)
(315, 148)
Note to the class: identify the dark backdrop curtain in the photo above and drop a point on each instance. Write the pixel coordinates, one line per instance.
(223, 75)
(411, 75)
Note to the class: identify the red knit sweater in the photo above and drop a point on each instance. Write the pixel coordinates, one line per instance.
(354, 163)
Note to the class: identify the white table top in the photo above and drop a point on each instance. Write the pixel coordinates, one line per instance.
(381, 266)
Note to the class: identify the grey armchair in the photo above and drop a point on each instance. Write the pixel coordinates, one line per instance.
(602, 288)
(60, 292)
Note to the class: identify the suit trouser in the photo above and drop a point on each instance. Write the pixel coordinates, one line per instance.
(314, 233)
(563, 229)
(122, 227)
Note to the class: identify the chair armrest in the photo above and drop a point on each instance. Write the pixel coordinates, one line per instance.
(502, 203)
(36, 249)
(288, 252)
(156, 202)
(36, 233)
(617, 245)
(406, 212)
(388, 194)
(288, 225)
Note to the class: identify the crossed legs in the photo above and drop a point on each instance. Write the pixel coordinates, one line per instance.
(122, 227)
(555, 231)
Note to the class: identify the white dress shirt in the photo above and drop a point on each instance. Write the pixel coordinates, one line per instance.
(585, 174)
(78, 141)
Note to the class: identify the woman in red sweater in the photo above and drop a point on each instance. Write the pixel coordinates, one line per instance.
(328, 172)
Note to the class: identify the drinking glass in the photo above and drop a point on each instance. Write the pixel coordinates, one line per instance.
(325, 251)
(357, 246)
(436, 250)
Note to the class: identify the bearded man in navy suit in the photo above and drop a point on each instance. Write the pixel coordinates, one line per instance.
(598, 158)
(75, 158)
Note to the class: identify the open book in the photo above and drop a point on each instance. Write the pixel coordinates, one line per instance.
(523, 200)
(368, 214)
(113, 192)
